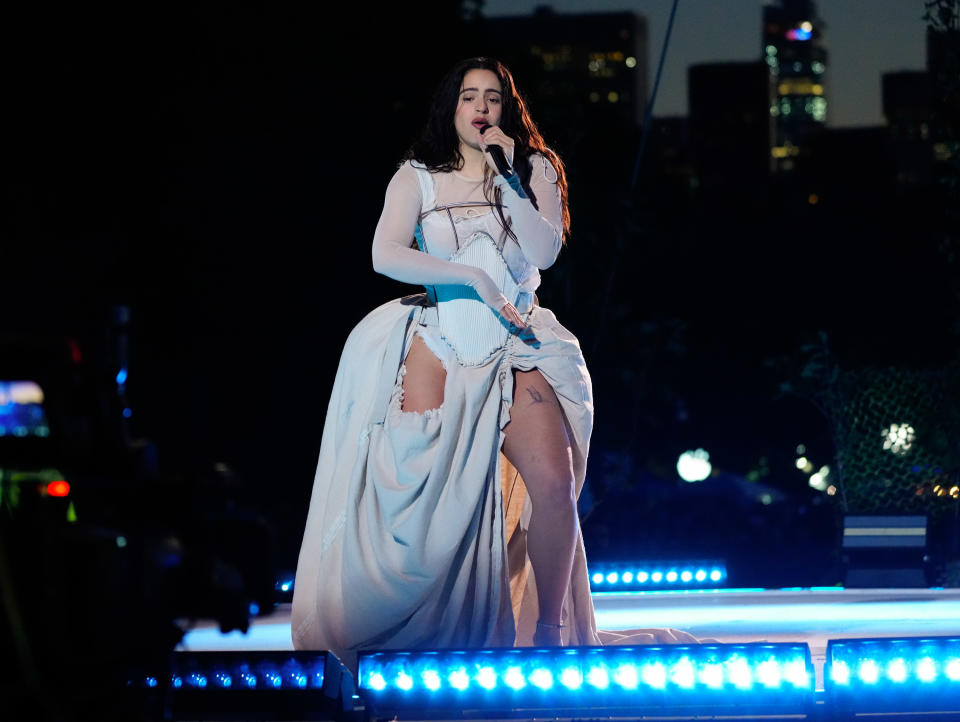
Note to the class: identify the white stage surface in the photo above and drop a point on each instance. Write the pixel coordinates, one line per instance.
(813, 616)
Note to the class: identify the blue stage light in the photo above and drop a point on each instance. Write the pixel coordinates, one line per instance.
(222, 680)
(683, 674)
(598, 578)
(626, 676)
(404, 681)
(598, 677)
(926, 670)
(197, 680)
(459, 679)
(897, 670)
(541, 677)
(739, 673)
(701, 575)
(121, 377)
(642, 577)
(613, 577)
(487, 677)
(686, 576)
(627, 577)
(151, 681)
(656, 576)
(902, 675)
(514, 678)
(377, 682)
(711, 675)
(571, 678)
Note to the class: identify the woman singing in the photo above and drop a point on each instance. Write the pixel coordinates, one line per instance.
(417, 530)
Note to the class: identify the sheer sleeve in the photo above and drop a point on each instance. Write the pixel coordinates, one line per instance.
(539, 232)
(392, 253)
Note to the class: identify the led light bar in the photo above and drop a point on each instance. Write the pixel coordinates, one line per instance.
(649, 576)
(267, 685)
(605, 681)
(920, 674)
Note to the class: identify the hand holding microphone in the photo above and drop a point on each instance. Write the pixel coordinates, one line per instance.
(493, 140)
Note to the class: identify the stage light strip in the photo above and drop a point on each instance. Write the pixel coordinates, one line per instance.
(611, 680)
(233, 671)
(642, 576)
(919, 674)
(248, 685)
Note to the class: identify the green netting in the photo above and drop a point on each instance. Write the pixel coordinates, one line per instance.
(896, 436)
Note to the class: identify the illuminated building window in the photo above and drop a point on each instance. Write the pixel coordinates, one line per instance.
(819, 109)
(799, 86)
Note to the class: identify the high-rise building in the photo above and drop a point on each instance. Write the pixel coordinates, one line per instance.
(794, 51)
(593, 63)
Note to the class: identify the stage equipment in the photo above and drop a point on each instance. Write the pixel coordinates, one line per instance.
(885, 551)
(251, 685)
(716, 679)
(653, 576)
(893, 675)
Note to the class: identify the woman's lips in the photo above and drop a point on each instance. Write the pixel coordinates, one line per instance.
(479, 123)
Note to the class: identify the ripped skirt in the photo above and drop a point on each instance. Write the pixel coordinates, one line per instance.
(416, 531)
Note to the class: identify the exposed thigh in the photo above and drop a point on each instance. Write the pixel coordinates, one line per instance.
(424, 378)
(536, 440)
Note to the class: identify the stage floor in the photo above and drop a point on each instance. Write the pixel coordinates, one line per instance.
(813, 616)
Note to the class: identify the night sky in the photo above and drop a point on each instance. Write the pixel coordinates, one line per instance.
(220, 173)
(863, 40)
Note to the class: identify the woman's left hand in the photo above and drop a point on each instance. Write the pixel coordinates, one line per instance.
(495, 136)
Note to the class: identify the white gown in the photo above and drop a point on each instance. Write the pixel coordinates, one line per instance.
(407, 544)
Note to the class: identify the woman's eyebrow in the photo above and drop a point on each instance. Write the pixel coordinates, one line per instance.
(477, 90)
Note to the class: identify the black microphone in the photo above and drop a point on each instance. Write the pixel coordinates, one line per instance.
(497, 153)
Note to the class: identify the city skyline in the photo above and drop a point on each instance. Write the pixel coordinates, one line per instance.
(859, 51)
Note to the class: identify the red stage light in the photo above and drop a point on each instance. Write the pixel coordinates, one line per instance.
(58, 488)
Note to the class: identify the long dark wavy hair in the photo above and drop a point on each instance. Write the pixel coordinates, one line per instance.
(438, 147)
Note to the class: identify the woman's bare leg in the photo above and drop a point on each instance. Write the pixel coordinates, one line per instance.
(424, 379)
(536, 443)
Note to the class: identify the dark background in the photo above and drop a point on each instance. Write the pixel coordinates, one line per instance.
(220, 172)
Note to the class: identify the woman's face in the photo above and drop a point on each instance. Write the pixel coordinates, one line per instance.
(480, 102)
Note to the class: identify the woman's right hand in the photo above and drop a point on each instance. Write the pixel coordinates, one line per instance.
(510, 313)
(490, 294)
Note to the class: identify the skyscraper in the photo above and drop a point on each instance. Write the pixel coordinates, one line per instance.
(794, 51)
(595, 64)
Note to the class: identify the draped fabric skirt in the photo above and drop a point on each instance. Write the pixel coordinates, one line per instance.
(416, 531)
